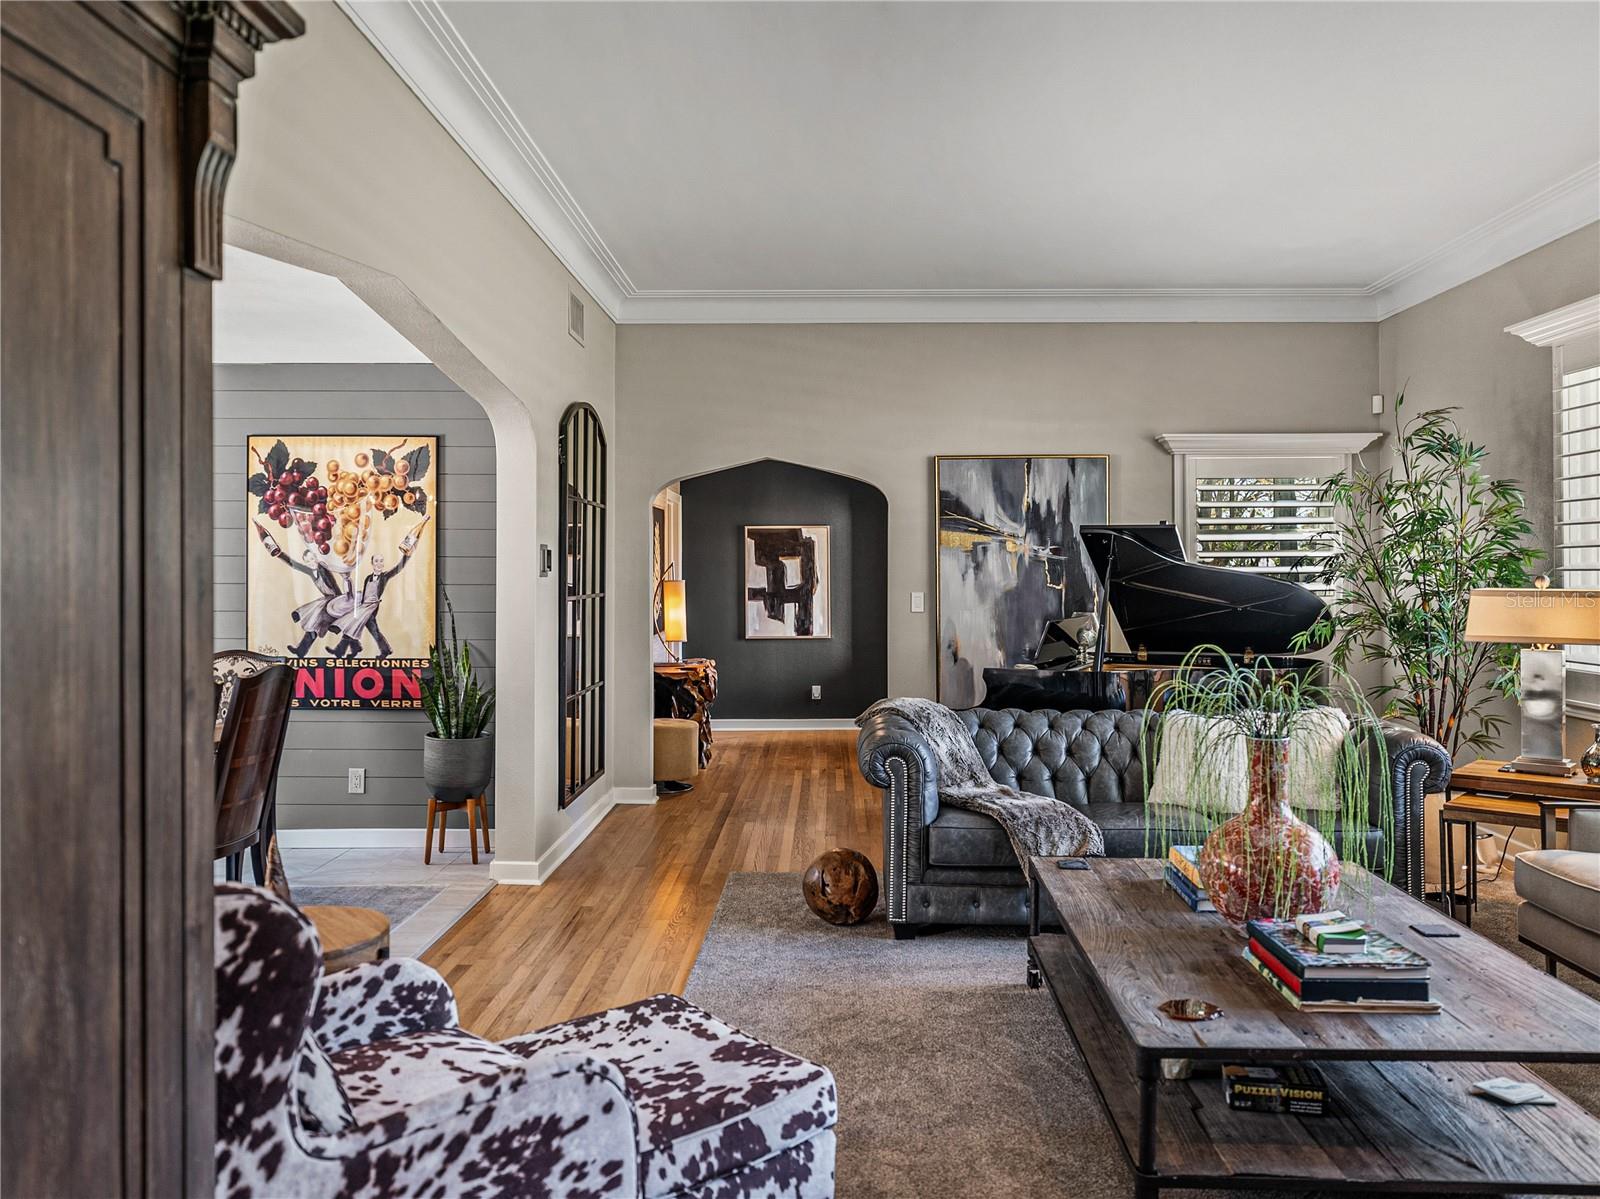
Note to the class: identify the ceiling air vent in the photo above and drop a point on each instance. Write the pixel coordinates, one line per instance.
(575, 318)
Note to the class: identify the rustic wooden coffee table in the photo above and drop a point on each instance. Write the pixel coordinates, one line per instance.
(1404, 1121)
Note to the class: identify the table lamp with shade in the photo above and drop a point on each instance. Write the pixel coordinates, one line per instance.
(1541, 619)
(674, 617)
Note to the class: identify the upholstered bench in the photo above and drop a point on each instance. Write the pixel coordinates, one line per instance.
(677, 751)
(362, 1084)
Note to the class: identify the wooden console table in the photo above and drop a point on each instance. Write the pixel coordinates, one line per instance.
(692, 684)
(1482, 793)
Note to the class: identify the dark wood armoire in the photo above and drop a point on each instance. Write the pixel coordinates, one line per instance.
(118, 134)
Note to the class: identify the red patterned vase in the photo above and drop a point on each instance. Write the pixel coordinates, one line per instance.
(1266, 861)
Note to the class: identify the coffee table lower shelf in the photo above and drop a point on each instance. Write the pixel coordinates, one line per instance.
(1399, 1127)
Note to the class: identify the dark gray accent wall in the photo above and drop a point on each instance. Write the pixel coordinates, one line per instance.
(378, 398)
(772, 679)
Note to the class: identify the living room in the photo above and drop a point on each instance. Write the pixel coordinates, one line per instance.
(1003, 353)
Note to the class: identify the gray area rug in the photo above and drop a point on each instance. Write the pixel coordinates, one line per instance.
(397, 903)
(954, 1079)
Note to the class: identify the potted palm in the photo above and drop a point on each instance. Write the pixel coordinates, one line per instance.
(458, 755)
(1269, 765)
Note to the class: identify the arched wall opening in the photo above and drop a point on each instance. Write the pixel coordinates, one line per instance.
(515, 556)
(637, 645)
(772, 676)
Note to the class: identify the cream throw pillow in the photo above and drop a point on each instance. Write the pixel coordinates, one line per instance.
(1313, 762)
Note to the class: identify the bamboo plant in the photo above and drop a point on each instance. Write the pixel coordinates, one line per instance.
(1413, 540)
(456, 705)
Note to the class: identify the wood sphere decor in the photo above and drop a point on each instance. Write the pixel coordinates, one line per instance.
(841, 886)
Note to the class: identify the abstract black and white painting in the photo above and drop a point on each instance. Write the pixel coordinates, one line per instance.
(786, 582)
(1008, 558)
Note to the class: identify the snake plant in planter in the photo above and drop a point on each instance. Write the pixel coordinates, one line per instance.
(458, 755)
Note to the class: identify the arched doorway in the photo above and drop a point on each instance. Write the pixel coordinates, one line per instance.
(512, 565)
(799, 636)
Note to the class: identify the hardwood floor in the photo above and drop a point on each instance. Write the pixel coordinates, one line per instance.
(624, 916)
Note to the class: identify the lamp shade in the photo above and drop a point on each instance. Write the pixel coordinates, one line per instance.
(674, 619)
(1534, 616)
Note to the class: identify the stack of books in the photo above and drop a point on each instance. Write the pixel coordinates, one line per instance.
(1183, 876)
(1324, 966)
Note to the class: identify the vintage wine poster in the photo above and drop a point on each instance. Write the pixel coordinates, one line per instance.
(341, 564)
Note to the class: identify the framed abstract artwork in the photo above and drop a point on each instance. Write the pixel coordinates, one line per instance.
(1008, 558)
(787, 581)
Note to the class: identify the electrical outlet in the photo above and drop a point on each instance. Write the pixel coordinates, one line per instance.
(816, 690)
(1377, 405)
(918, 602)
(358, 780)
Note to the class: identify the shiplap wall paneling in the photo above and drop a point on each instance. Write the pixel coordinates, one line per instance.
(381, 399)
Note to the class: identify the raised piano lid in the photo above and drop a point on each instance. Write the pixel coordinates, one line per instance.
(1169, 605)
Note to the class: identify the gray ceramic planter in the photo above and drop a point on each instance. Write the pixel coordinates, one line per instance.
(456, 769)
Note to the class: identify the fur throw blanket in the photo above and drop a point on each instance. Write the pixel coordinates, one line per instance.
(1038, 826)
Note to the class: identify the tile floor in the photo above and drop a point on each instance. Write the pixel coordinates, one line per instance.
(463, 881)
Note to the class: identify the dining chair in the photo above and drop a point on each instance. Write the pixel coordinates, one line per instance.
(253, 698)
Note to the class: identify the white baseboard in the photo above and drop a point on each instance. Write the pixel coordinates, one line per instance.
(634, 795)
(761, 726)
(368, 838)
(506, 872)
(536, 873)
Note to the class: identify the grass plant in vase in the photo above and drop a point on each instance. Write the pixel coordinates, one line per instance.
(1271, 768)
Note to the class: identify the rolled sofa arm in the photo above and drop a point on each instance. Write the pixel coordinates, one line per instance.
(1412, 766)
(889, 743)
(894, 756)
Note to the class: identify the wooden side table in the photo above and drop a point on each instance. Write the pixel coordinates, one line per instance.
(1482, 793)
(349, 936)
(692, 684)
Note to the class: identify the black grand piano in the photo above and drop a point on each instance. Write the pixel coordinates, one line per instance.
(1166, 606)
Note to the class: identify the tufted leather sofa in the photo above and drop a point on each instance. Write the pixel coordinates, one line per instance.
(946, 865)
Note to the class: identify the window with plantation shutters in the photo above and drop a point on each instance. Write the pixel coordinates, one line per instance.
(1577, 557)
(1253, 501)
(1267, 521)
(1572, 334)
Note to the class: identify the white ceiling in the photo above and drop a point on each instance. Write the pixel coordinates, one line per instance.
(755, 161)
(268, 311)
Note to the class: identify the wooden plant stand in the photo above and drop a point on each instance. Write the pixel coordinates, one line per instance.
(477, 807)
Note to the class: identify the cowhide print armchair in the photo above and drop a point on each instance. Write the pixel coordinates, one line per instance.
(360, 1084)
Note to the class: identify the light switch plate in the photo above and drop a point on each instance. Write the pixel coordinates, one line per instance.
(918, 602)
(1377, 405)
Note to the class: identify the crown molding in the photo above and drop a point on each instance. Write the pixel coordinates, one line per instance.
(417, 39)
(1561, 326)
(422, 45)
(1554, 212)
(1060, 306)
(1269, 444)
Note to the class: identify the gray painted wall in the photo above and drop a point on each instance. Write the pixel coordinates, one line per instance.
(763, 679)
(1453, 350)
(877, 402)
(379, 398)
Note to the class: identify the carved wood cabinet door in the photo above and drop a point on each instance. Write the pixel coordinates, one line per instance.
(114, 117)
